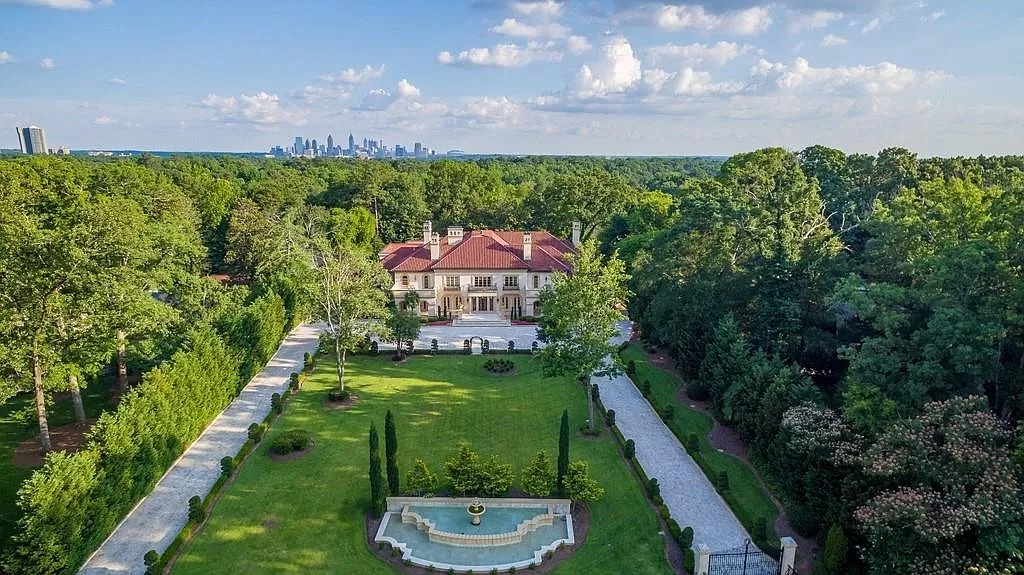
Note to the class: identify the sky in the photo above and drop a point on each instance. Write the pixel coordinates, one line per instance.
(600, 77)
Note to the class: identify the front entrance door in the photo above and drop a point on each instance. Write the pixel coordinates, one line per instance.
(482, 303)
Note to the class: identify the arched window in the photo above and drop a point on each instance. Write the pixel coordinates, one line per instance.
(405, 281)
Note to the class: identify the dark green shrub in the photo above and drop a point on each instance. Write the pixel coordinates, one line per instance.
(667, 412)
(665, 513)
(673, 529)
(275, 403)
(307, 362)
(499, 365)
(534, 347)
(836, 550)
(151, 560)
(511, 346)
(631, 368)
(760, 529)
(433, 345)
(290, 441)
(451, 571)
(688, 560)
(609, 416)
(485, 347)
(803, 520)
(653, 489)
(692, 443)
(408, 346)
(629, 450)
(595, 393)
(467, 347)
(293, 381)
(338, 395)
(255, 432)
(227, 465)
(686, 539)
(374, 348)
(696, 391)
(645, 387)
(196, 514)
(722, 481)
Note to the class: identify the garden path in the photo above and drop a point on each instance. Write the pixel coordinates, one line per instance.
(157, 519)
(687, 492)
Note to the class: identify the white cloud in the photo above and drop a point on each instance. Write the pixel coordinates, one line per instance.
(616, 71)
(354, 76)
(577, 45)
(832, 40)
(871, 26)
(381, 99)
(933, 16)
(694, 17)
(518, 29)
(544, 9)
(487, 112)
(502, 55)
(5, 57)
(808, 20)
(103, 121)
(331, 94)
(61, 4)
(47, 63)
(261, 109)
(883, 79)
(117, 81)
(697, 54)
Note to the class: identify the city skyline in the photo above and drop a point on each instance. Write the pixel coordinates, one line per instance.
(369, 148)
(508, 76)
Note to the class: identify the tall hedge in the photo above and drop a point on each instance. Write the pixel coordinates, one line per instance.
(73, 503)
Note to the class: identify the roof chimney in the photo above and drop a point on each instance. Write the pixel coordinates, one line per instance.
(435, 247)
(576, 229)
(454, 235)
(527, 246)
(426, 231)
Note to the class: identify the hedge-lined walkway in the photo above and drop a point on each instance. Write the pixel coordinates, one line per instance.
(157, 519)
(687, 492)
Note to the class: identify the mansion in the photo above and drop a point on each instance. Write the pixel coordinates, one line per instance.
(478, 274)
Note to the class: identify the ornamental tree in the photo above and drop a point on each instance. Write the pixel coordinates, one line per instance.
(538, 478)
(579, 485)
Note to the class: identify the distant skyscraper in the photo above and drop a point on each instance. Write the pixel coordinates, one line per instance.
(32, 140)
(330, 144)
(351, 143)
(364, 143)
(417, 150)
(306, 147)
(297, 148)
(315, 148)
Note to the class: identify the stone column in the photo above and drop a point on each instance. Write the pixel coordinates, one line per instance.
(703, 560)
(788, 555)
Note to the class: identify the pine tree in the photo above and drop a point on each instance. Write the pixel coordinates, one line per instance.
(563, 451)
(376, 479)
(391, 453)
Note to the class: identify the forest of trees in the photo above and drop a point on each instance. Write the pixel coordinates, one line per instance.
(857, 319)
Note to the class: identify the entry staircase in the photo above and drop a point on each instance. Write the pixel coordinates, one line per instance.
(481, 320)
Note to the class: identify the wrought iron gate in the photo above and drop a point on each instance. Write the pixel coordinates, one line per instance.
(746, 560)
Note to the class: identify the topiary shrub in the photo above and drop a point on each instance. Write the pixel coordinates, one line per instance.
(255, 432)
(338, 395)
(686, 538)
(673, 529)
(722, 481)
(227, 465)
(151, 560)
(290, 441)
(293, 381)
(534, 347)
(511, 346)
(433, 345)
(196, 514)
(653, 489)
(609, 416)
(688, 560)
(374, 348)
(308, 362)
(467, 347)
(692, 443)
(485, 347)
(630, 449)
(500, 366)
(275, 403)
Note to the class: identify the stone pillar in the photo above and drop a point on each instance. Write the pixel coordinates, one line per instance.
(788, 555)
(703, 563)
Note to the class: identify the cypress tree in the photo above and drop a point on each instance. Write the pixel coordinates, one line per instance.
(391, 453)
(376, 480)
(563, 451)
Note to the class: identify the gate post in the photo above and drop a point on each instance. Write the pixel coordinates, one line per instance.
(788, 563)
(703, 559)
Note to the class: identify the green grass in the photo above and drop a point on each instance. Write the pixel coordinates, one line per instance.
(307, 515)
(18, 423)
(746, 497)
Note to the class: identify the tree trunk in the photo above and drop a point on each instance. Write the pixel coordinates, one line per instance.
(76, 398)
(590, 401)
(122, 367)
(340, 355)
(44, 428)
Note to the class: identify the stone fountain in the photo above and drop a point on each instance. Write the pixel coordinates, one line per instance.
(476, 509)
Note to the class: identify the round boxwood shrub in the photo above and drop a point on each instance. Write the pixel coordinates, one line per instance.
(195, 509)
(293, 381)
(630, 449)
(255, 432)
(227, 465)
(290, 441)
(499, 365)
(275, 403)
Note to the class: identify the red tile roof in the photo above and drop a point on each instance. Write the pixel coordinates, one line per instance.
(480, 250)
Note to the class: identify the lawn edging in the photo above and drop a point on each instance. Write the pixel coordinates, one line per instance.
(711, 462)
(193, 526)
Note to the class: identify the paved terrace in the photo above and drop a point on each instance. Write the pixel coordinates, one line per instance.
(157, 519)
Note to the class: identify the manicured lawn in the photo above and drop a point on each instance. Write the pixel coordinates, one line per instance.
(307, 515)
(18, 423)
(747, 498)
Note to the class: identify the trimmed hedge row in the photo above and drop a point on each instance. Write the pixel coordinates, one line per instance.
(74, 501)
